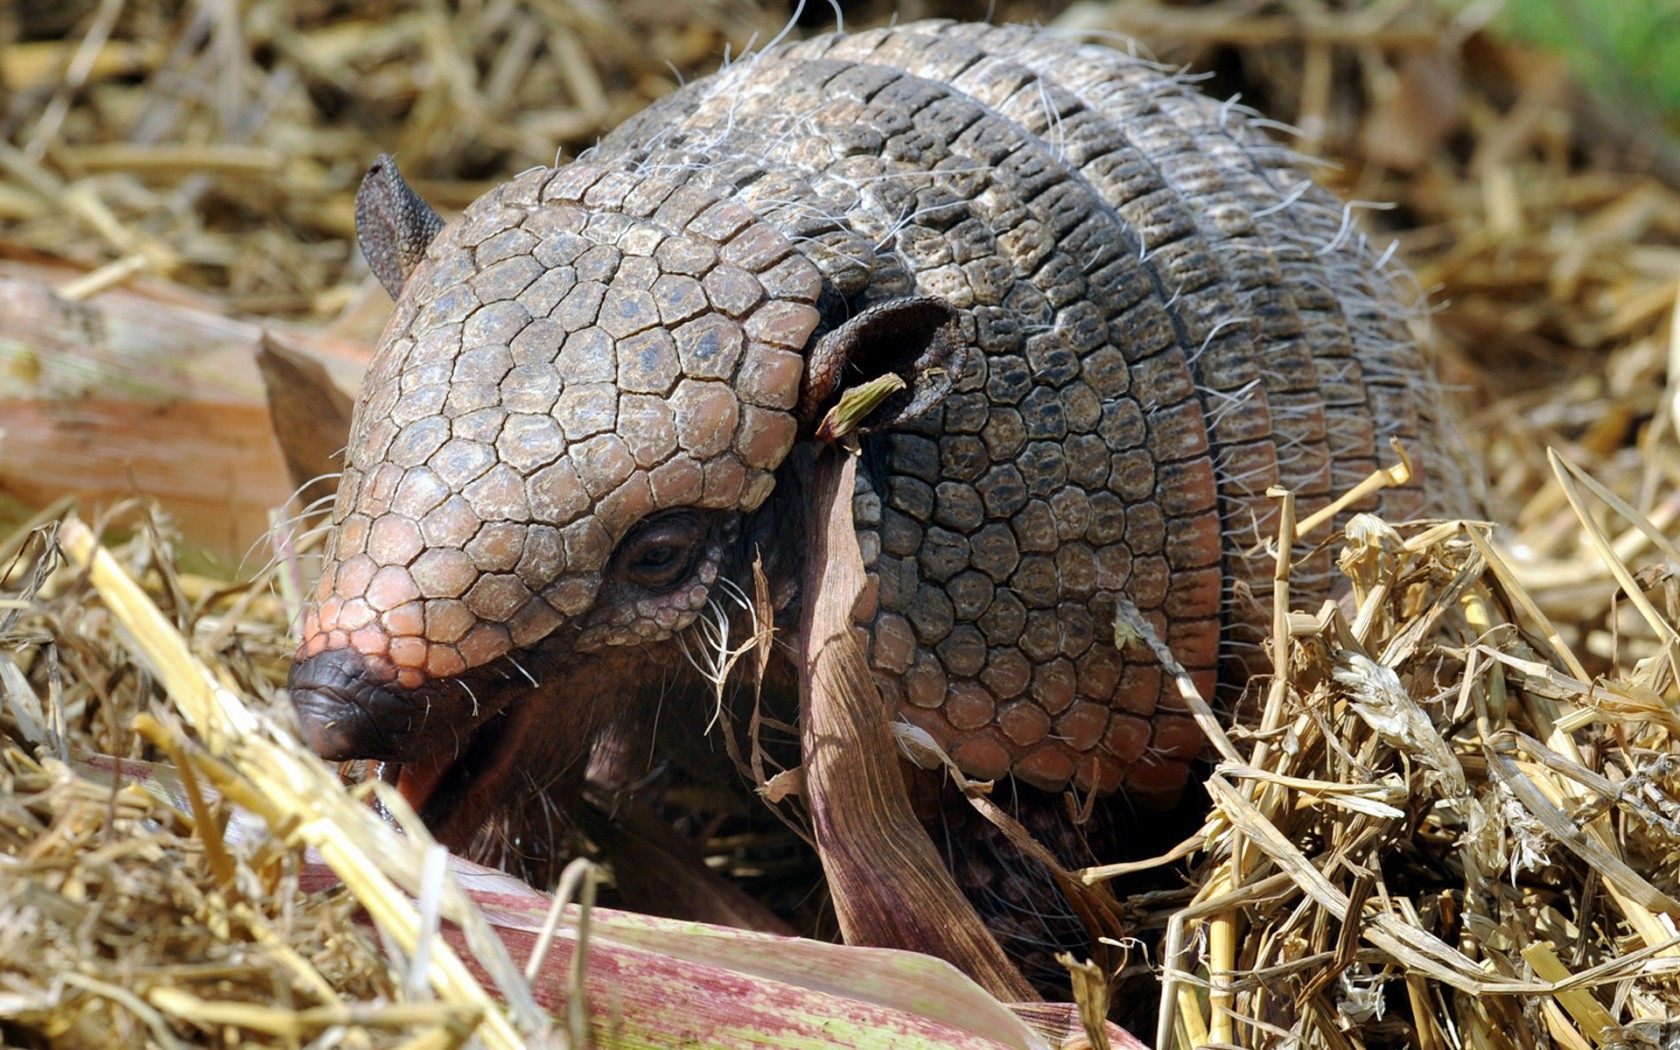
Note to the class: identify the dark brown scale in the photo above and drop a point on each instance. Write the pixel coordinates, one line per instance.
(1132, 318)
(1026, 458)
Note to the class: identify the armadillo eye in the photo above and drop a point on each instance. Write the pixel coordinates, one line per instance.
(659, 566)
(659, 555)
(656, 557)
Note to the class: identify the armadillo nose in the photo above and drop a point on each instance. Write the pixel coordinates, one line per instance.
(344, 712)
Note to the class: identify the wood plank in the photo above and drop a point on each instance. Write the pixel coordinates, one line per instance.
(146, 390)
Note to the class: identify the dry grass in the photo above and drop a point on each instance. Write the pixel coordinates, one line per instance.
(1441, 800)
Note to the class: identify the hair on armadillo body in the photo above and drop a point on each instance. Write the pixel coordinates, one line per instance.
(1298, 336)
(1150, 316)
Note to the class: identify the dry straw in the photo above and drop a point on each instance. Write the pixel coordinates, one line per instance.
(1410, 811)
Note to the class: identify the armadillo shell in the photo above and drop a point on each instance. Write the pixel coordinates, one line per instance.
(1171, 319)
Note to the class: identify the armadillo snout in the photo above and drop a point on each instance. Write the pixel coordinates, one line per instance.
(347, 712)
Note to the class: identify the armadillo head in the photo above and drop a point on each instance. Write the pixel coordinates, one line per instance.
(589, 380)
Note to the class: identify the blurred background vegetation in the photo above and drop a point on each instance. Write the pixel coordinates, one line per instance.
(1627, 49)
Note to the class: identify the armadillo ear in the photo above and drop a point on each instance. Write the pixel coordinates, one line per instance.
(919, 338)
(393, 224)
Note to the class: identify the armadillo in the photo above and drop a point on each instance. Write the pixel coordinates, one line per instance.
(1120, 312)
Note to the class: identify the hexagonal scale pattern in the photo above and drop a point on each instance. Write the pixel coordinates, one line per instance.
(567, 359)
(1168, 324)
